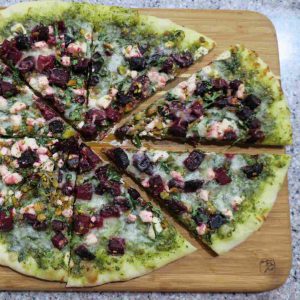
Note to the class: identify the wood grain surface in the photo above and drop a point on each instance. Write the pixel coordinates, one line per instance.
(261, 263)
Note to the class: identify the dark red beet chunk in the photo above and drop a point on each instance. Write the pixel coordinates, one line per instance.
(29, 218)
(84, 165)
(121, 132)
(73, 162)
(91, 156)
(178, 129)
(10, 52)
(39, 226)
(221, 176)
(82, 224)
(110, 211)
(123, 99)
(194, 160)
(244, 114)
(143, 163)
(95, 116)
(7, 89)
(176, 206)
(59, 241)
(219, 84)
(119, 157)
(89, 132)
(84, 191)
(101, 173)
(253, 171)
(112, 114)
(6, 220)
(134, 194)
(234, 84)
(168, 65)
(197, 109)
(254, 123)
(83, 252)
(94, 80)
(27, 159)
(22, 42)
(59, 77)
(116, 246)
(56, 126)
(46, 111)
(230, 135)
(97, 221)
(27, 64)
(252, 101)
(175, 183)
(201, 216)
(183, 60)
(40, 33)
(216, 221)
(156, 185)
(140, 87)
(58, 225)
(191, 186)
(81, 67)
(137, 63)
(68, 189)
(45, 62)
(122, 203)
(202, 88)
(79, 99)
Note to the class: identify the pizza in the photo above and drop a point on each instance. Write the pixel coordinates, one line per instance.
(69, 73)
(235, 99)
(117, 234)
(220, 198)
(22, 113)
(94, 63)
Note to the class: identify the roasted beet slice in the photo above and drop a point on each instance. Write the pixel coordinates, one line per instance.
(134, 194)
(67, 189)
(91, 156)
(252, 101)
(234, 84)
(72, 162)
(123, 99)
(230, 135)
(84, 165)
(45, 62)
(112, 114)
(168, 65)
(140, 87)
(122, 202)
(219, 84)
(97, 221)
(197, 109)
(84, 191)
(254, 170)
(216, 221)
(101, 173)
(59, 241)
(40, 225)
(27, 159)
(45, 110)
(119, 157)
(7, 89)
(254, 123)
(59, 77)
(95, 116)
(191, 186)
(143, 163)
(83, 252)
(27, 64)
(22, 42)
(175, 183)
(156, 185)
(178, 129)
(116, 246)
(10, 52)
(110, 211)
(137, 63)
(56, 126)
(40, 33)
(184, 59)
(97, 62)
(194, 160)
(82, 224)
(121, 132)
(176, 206)
(244, 113)
(82, 66)
(79, 99)
(29, 218)
(221, 176)
(89, 132)
(6, 220)
(58, 225)
(202, 87)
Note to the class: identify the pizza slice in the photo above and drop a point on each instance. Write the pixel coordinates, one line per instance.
(220, 198)
(49, 45)
(37, 178)
(22, 113)
(117, 235)
(235, 99)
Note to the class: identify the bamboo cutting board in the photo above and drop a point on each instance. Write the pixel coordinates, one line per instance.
(261, 263)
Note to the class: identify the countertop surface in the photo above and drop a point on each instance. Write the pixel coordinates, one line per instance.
(285, 16)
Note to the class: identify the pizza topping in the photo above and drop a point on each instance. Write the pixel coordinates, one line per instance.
(6, 220)
(216, 221)
(10, 52)
(146, 216)
(201, 229)
(184, 59)
(27, 64)
(122, 203)
(58, 226)
(116, 246)
(82, 224)
(110, 211)
(119, 157)
(131, 218)
(97, 221)
(143, 163)
(193, 161)
(91, 239)
(85, 191)
(203, 194)
(22, 42)
(17, 107)
(244, 113)
(59, 241)
(156, 184)
(59, 77)
(45, 62)
(176, 183)
(191, 186)
(27, 158)
(134, 194)
(7, 89)
(83, 252)
(137, 63)
(176, 206)
(56, 126)
(221, 176)
(82, 65)
(3, 103)
(252, 101)
(253, 171)
(40, 33)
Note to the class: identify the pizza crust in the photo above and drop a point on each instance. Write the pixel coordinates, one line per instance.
(128, 270)
(30, 267)
(266, 197)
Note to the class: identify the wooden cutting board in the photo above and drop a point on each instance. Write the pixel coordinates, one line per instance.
(261, 263)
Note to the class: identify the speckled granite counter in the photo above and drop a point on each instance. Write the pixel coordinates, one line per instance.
(285, 15)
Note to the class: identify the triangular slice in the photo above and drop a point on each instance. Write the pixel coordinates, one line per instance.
(117, 235)
(22, 113)
(235, 99)
(133, 57)
(36, 180)
(220, 198)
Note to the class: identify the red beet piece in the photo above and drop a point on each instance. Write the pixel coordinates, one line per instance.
(116, 246)
(6, 220)
(59, 241)
(221, 176)
(84, 191)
